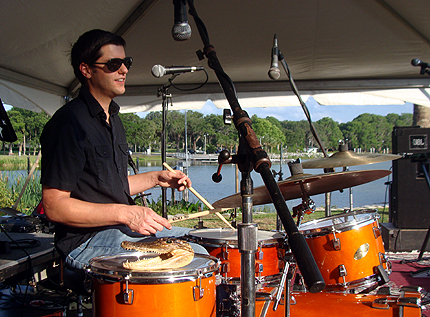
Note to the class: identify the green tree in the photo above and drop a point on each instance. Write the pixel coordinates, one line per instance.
(297, 135)
(368, 131)
(270, 134)
(329, 133)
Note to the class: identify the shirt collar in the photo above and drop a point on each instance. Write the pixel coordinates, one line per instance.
(93, 104)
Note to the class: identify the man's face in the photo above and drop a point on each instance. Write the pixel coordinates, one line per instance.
(104, 83)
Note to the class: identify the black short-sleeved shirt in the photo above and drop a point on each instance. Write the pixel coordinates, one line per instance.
(85, 155)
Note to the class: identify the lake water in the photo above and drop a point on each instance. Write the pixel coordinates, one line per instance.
(372, 193)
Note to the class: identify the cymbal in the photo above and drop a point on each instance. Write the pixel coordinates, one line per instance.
(313, 185)
(348, 158)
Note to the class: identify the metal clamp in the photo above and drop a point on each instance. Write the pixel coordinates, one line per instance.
(281, 287)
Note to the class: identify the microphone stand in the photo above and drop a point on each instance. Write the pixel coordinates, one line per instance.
(311, 124)
(261, 163)
(163, 92)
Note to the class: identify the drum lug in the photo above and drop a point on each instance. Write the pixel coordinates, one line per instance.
(380, 303)
(376, 232)
(342, 270)
(198, 291)
(225, 267)
(128, 294)
(409, 302)
(336, 243)
(224, 252)
(258, 267)
(259, 255)
(384, 260)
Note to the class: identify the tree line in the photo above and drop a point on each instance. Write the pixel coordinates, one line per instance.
(208, 132)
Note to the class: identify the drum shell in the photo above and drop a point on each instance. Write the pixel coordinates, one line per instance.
(351, 237)
(185, 291)
(221, 244)
(351, 305)
(162, 300)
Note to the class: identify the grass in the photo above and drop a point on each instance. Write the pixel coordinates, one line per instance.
(265, 220)
(12, 162)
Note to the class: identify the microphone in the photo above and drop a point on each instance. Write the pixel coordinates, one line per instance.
(417, 62)
(159, 71)
(274, 72)
(181, 30)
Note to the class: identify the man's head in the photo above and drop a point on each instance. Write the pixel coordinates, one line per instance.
(87, 49)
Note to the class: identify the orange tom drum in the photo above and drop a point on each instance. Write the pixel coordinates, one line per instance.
(186, 291)
(223, 244)
(348, 249)
(406, 304)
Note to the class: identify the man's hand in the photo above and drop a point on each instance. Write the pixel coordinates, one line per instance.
(145, 221)
(175, 179)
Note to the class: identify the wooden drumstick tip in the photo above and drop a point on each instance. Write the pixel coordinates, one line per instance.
(204, 201)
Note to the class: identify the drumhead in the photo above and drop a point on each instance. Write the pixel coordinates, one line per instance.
(341, 222)
(220, 236)
(110, 268)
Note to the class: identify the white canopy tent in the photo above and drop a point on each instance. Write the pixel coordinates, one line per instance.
(339, 51)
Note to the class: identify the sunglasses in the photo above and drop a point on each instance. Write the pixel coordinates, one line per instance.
(115, 63)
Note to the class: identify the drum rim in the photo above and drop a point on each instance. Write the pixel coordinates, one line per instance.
(217, 242)
(341, 227)
(152, 277)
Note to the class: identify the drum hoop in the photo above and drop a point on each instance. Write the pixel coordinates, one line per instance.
(232, 243)
(152, 277)
(341, 227)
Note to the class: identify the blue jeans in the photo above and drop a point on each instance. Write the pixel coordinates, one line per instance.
(108, 242)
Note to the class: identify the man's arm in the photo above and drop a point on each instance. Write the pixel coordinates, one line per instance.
(61, 208)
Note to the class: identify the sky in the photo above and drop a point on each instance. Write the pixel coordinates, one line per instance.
(340, 114)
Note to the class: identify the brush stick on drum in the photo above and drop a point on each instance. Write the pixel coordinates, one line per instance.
(204, 201)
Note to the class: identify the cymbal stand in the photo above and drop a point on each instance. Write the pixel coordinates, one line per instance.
(306, 207)
(280, 174)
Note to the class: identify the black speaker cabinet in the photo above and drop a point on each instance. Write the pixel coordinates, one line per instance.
(410, 194)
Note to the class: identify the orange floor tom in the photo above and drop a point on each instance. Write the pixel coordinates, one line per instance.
(186, 291)
(348, 249)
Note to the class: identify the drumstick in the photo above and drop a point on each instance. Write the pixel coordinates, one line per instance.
(204, 201)
(197, 214)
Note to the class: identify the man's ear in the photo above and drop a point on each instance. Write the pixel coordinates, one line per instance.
(85, 70)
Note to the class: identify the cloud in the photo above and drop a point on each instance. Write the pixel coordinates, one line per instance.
(340, 114)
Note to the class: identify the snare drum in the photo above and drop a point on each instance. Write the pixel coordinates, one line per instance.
(186, 291)
(347, 248)
(223, 244)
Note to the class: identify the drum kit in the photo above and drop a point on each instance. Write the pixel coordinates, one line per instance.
(347, 248)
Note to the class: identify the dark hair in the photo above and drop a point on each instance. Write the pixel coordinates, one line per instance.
(87, 48)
